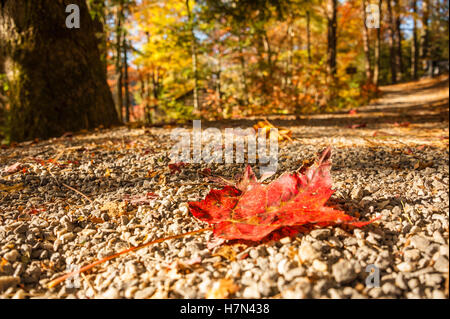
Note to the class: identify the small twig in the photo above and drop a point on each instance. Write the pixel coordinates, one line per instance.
(57, 281)
(89, 284)
(406, 213)
(56, 180)
(78, 192)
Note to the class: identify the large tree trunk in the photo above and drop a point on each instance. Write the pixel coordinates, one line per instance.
(2, 93)
(98, 11)
(56, 77)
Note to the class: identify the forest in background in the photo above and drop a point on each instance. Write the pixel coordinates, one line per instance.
(175, 60)
(230, 59)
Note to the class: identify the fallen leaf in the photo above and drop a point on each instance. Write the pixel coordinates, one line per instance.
(205, 172)
(422, 165)
(144, 199)
(14, 168)
(281, 133)
(96, 220)
(114, 208)
(176, 167)
(222, 289)
(11, 188)
(151, 174)
(3, 263)
(215, 242)
(229, 252)
(251, 210)
(403, 124)
(193, 261)
(353, 126)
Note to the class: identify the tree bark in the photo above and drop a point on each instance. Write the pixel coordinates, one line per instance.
(55, 73)
(97, 7)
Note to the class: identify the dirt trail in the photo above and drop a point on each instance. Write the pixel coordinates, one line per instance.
(413, 113)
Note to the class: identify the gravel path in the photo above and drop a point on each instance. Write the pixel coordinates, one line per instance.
(394, 164)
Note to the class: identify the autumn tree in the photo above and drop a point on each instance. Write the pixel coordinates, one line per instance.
(56, 77)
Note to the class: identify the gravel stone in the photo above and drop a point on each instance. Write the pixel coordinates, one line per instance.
(145, 293)
(8, 281)
(420, 242)
(441, 264)
(12, 256)
(321, 233)
(307, 252)
(343, 271)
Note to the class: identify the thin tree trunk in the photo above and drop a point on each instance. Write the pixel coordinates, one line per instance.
(57, 81)
(331, 50)
(243, 71)
(194, 56)
(268, 49)
(414, 45)
(436, 25)
(308, 34)
(288, 78)
(119, 65)
(392, 51)
(126, 80)
(376, 70)
(399, 37)
(425, 29)
(332, 26)
(366, 44)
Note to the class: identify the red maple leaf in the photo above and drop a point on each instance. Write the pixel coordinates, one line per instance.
(176, 167)
(251, 210)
